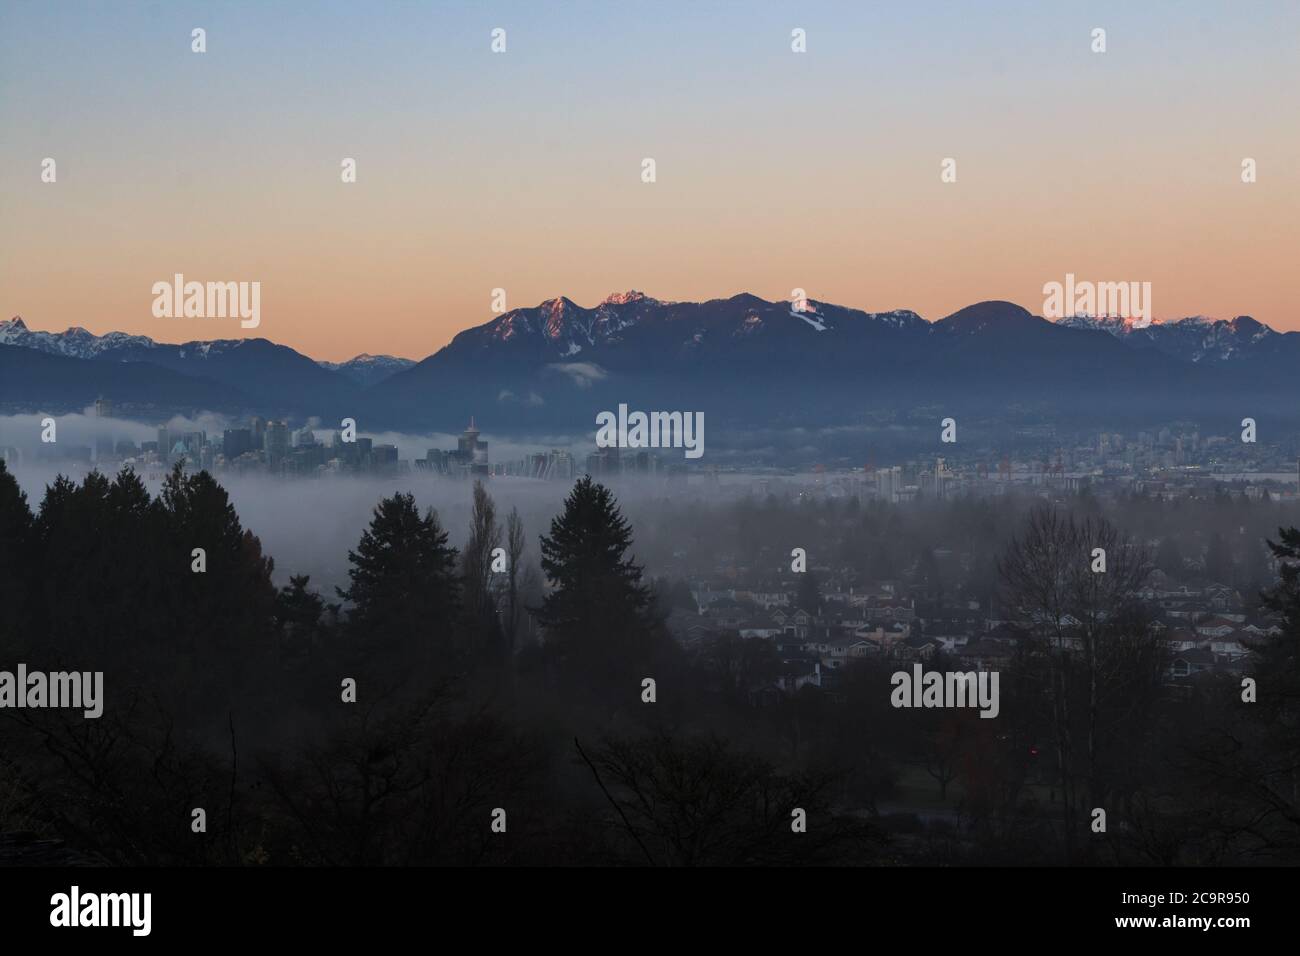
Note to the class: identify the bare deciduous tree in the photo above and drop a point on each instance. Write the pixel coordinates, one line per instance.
(1075, 582)
(515, 544)
(484, 538)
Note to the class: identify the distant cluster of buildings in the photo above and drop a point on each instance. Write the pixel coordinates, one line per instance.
(261, 445)
(272, 447)
(1166, 463)
(468, 458)
(612, 461)
(1202, 629)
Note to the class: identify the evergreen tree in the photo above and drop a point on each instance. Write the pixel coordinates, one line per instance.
(223, 617)
(76, 563)
(17, 560)
(298, 612)
(597, 610)
(103, 591)
(404, 592)
(134, 537)
(808, 596)
(1280, 656)
(681, 597)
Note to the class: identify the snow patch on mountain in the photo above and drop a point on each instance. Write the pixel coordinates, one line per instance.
(812, 319)
(366, 369)
(569, 328)
(627, 298)
(1197, 338)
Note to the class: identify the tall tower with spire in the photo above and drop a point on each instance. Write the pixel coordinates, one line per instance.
(471, 450)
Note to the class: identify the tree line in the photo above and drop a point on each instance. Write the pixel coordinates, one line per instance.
(498, 677)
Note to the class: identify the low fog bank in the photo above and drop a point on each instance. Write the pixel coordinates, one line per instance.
(308, 525)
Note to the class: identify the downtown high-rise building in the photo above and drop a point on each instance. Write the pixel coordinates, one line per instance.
(276, 443)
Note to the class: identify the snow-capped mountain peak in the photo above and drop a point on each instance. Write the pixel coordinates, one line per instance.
(1197, 338)
(626, 298)
(366, 369)
(75, 342)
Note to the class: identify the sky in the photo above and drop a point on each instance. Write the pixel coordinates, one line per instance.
(522, 170)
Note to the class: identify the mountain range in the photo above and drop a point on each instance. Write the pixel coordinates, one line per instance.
(749, 362)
